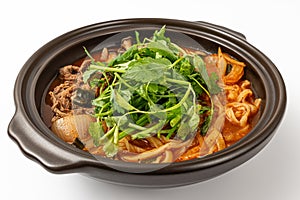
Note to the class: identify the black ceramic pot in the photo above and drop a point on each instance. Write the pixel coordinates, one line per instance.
(38, 143)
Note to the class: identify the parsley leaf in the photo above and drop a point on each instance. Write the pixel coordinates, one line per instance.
(146, 69)
(96, 131)
(199, 64)
(162, 48)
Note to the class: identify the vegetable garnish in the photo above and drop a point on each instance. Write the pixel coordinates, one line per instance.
(153, 88)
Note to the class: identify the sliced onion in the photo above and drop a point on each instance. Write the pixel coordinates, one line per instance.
(146, 155)
(168, 157)
(71, 127)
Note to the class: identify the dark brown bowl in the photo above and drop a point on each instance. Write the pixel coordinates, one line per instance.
(38, 143)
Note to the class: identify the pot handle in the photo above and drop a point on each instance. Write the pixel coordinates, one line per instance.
(224, 29)
(38, 148)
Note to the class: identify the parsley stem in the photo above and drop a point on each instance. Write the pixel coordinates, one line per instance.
(171, 131)
(125, 132)
(108, 69)
(104, 114)
(148, 130)
(184, 98)
(176, 62)
(137, 127)
(106, 78)
(89, 55)
(104, 106)
(116, 135)
(182, 82)
(123, 81)
(140, 122)
(166, 95)
(211, 101)
(105, 136)
(142, 119)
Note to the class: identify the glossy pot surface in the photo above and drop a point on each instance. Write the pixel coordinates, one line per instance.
(38, 143)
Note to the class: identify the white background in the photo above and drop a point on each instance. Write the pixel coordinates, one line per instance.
(271, 26)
